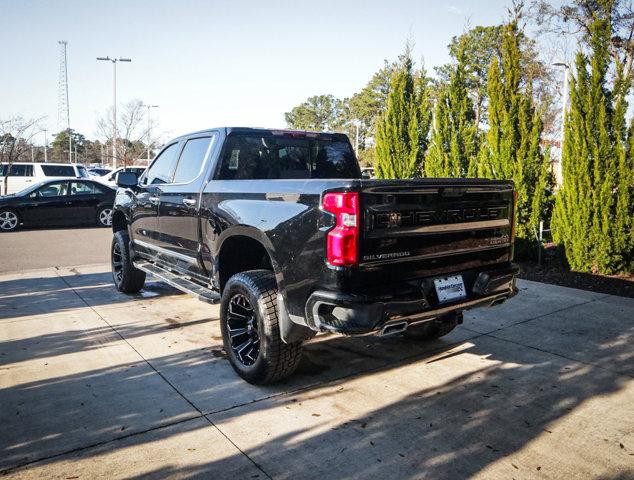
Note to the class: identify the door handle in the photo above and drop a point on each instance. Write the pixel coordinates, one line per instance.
(189, 202)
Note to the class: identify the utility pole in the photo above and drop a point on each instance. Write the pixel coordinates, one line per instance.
(45, 147)
(149, 128)
(63, 111)
(564, 108)
(114, 107)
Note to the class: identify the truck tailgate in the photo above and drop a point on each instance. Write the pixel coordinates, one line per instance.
(453, 224)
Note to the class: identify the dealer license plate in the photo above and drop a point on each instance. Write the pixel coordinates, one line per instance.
(450, 288)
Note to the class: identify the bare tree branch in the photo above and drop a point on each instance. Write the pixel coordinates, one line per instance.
(16, 139)
(132, 131)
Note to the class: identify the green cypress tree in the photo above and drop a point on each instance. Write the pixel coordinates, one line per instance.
(402, 131)
(511, 148)
(593, 211)
(454, 138)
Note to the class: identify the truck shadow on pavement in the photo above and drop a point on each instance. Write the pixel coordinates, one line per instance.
(359, 407)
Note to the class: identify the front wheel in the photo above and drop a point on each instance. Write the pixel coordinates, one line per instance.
(250, 329)
(127, 278)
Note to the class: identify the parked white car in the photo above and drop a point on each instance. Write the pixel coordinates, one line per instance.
(97, 172)
(25, 174)
(111, 178)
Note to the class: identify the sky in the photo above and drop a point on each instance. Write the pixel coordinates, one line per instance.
(213, 63)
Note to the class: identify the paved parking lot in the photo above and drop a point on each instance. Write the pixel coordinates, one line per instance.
(28, 249)
(94, 384)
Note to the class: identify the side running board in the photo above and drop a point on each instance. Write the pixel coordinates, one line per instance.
(183, 284)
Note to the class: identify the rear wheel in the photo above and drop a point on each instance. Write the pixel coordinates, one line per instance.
(127, 278)
(9, 220)
(437, 328)
(104, 217)
(250, 329)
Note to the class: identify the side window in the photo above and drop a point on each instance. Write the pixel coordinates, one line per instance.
(242, 158)
(57, 189)
(58, 170)
(191, 159)
(81, 188)
(20, 171)
(162, 167)
(97, 189)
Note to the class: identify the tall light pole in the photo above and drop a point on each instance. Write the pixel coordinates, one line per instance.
(45, 147)
(114, 109)
(63, 110)
(564, 107)
(149, 127)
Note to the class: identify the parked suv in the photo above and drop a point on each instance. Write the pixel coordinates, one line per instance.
(281, 229)
(24, 174)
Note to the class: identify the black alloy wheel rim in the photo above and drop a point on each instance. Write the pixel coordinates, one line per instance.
(242, 327)
(117, 263)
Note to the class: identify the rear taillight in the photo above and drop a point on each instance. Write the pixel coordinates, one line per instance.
(342, 241)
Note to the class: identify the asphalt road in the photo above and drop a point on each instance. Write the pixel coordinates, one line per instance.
(40, 248)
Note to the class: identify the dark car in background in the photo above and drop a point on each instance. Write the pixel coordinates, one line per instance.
(58, 202)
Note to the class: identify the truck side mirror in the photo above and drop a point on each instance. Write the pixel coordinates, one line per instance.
(127, 179)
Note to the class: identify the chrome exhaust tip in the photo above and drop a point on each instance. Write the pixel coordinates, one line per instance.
(392, 328)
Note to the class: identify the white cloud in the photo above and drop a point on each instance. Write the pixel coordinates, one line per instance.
(455, 10)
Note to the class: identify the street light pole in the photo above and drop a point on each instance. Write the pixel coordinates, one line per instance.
(114, 108)
(45, 147)
(564, 107)
(149, 126)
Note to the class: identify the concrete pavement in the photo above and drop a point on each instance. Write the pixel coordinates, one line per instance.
(28, 249)
(95, 384)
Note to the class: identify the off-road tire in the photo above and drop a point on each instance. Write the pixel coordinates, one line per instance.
(275, 359)
(435, 329)
(126, 277)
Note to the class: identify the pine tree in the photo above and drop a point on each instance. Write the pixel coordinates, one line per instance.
(511, 148)
(402, 131)
(454, 138)
(593, 212)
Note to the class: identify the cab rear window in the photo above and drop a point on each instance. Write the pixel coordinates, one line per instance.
(258, 156)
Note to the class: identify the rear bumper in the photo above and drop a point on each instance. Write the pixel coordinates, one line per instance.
(364, 313)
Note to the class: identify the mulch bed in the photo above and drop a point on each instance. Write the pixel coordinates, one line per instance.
(555, 271)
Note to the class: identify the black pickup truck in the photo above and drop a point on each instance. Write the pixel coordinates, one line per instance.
(281, 229)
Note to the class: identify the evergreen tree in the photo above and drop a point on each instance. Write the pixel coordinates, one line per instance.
(593, 212)
(402, 131)
(454, 138)
(511, 149)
